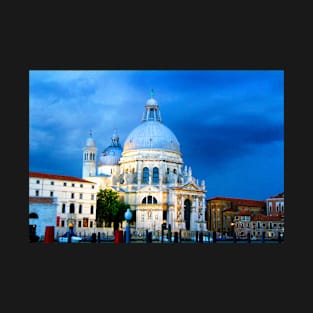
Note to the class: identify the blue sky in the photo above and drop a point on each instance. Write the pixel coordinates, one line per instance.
(230, 123)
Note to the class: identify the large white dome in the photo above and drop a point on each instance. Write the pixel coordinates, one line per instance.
(152, 135)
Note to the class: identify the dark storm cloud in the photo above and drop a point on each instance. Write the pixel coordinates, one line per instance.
(230, 139)
(227, 122)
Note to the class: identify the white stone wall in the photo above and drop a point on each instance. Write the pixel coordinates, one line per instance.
(46, 217)
(84, 194)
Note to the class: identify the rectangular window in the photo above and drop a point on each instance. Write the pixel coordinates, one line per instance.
(51, 193)
(52, 183)
(79, 224)
(73, 185)
(80, 209)
(91, 209)
(92, 197)
(63, 208)
(72, 196)
(155, 175)
(91, 224)
(145, 175)
(72, 208)
(92, 187)
(62, 223)
(64, 184)
(37, 193)
(80, 196)
(81, 185)
(85, 222)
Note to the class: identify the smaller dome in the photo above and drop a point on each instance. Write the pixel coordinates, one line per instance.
(90, 141)
(111, 155)
(151, 101)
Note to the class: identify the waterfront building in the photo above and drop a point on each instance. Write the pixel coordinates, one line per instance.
(63, 202)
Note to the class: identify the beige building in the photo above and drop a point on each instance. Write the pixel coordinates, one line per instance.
(258, 226)
(149, 174)
(246, 217)
(221, 211)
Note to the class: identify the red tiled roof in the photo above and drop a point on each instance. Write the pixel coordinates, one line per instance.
(244, 213)
(262, 217)
(280, 195)
(58, 177)
(40, 200)
(244, 202)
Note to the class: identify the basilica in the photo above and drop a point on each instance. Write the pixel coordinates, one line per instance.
(149, 174)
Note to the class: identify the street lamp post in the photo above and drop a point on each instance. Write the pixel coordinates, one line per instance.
(128, 216)
(232, 224)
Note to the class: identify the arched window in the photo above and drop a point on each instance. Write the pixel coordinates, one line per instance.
(150, 200)
(33, 215)
(187, 212)
(155, 175)
(151, 114)
(72, 208)
(145, 175)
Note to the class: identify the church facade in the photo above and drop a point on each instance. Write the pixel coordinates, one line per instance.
(149, 174)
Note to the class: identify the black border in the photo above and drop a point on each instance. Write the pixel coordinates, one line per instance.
(187, 274)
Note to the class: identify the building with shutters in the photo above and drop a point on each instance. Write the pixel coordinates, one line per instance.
(62, 201)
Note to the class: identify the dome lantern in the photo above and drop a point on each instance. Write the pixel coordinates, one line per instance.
(152, 133)
(152, 112)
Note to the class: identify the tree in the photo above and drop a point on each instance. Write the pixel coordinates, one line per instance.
(109, 208)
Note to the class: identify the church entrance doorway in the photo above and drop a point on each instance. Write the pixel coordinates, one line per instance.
(187, 209)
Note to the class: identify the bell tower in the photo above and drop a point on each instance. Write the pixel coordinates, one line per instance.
(89, 158)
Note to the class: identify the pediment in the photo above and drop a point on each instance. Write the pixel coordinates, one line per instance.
(148, 188)
(191, 186)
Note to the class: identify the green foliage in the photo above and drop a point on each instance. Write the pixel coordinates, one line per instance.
(109, 208)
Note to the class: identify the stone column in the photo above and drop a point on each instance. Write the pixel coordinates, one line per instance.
(139, 172)
(193, 215)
